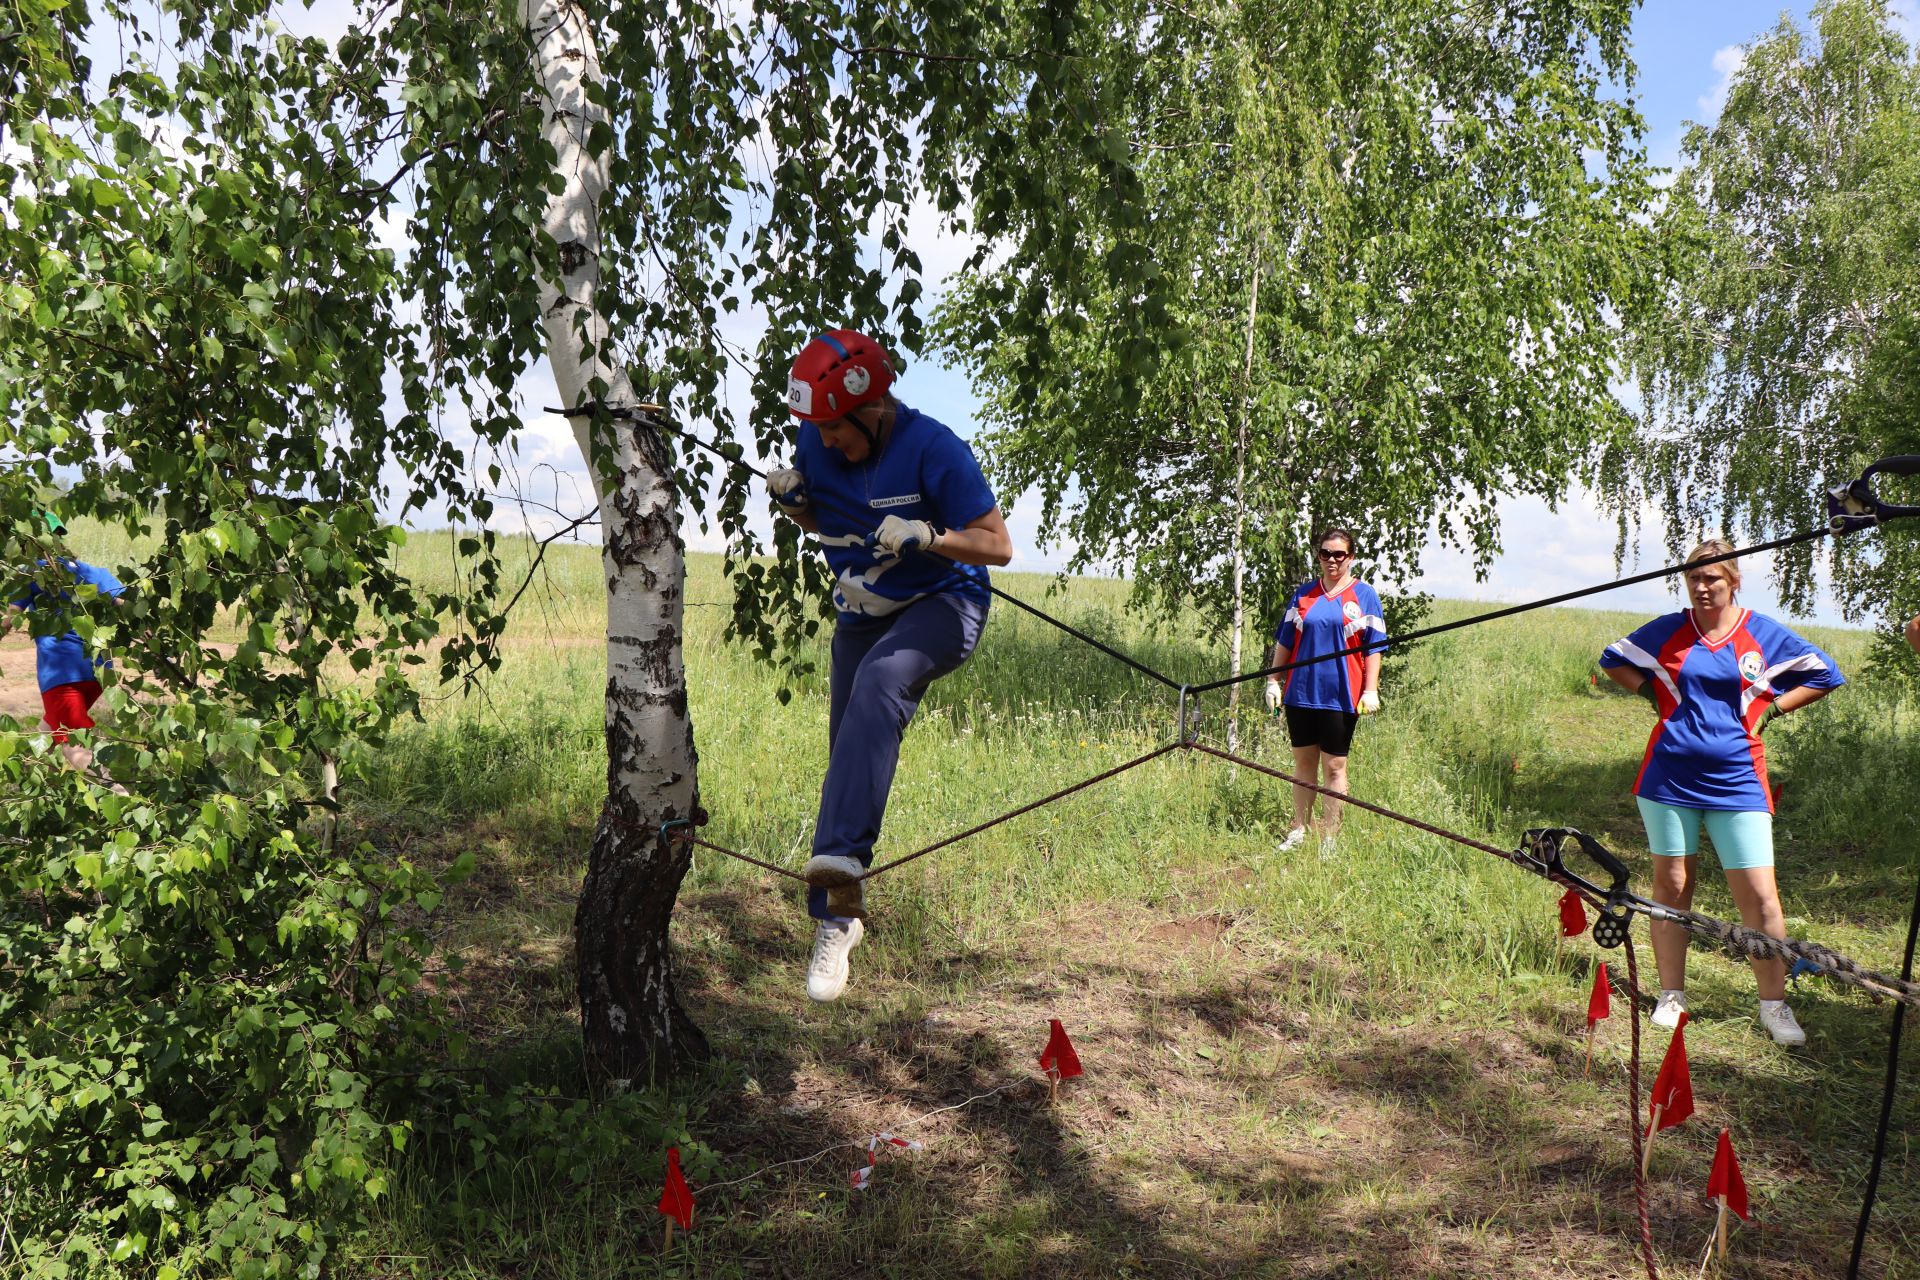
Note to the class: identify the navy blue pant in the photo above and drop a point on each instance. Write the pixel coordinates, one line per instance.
(881, 668)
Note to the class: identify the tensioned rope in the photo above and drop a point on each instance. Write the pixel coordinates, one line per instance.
(1423, 633)
(654, 416)
(1850, 507)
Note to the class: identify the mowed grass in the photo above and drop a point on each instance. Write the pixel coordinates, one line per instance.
(1366, 1063)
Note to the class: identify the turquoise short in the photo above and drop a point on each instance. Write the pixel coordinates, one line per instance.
(1741, 840)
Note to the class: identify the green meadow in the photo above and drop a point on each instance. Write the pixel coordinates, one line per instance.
(1357, 1063)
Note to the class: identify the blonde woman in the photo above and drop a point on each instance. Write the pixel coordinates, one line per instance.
(1716, 673)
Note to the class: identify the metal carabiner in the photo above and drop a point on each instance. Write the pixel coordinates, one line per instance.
(1540, 853)
(1854, 505)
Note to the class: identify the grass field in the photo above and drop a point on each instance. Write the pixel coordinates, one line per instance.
(1354, 1065)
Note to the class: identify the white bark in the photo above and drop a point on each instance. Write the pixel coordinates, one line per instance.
(1240, 519)
(627, 1005)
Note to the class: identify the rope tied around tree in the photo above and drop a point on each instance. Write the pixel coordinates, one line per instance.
(1850, 507)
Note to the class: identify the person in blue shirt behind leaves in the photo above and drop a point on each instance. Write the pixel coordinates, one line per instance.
(908, 524)
(1333, 613)
(68, 674)
(1716, 673)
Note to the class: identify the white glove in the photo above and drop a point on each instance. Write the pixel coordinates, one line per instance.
(1369, 702)
(789, 488)
(901, 536)
(1275, 694)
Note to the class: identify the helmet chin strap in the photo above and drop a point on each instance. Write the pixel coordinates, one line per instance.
(873, 438)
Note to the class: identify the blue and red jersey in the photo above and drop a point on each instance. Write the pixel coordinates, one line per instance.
(1317, 623)
(62, 658)
(1705, 751)
(923, 472)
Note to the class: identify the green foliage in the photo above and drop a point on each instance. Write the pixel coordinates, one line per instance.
(1779, 358)
(1370, 261)
(251, 288)
(205, 344)
(199, 1000)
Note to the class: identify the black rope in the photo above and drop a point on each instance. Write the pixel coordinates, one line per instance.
(669, 830)
(1886, 1095)
(1155, 754)
(1734, 937)
(1633, 1114)
(1373, 646)
(732, 458)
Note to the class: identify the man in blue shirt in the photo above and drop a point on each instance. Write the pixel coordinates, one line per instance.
(908, 525)
(68, 674)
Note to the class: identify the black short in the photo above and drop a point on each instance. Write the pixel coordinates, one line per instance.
(1331, 731)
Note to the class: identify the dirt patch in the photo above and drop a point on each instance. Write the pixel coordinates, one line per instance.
(19, 685)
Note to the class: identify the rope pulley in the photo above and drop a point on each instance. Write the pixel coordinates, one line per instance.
(1855, 506)
(1540, 852)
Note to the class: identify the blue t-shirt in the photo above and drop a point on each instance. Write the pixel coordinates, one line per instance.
(1317, 623)
(1705, 750)
(63, 659)
(923, 471)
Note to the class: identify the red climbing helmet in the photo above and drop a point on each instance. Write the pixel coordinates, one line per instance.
(837, 372)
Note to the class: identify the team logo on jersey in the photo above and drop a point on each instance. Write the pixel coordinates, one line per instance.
(1750, 666)
(856, 380)
(1350, 611)
(904, 500)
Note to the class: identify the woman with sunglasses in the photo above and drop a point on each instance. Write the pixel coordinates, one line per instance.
(1330, 614)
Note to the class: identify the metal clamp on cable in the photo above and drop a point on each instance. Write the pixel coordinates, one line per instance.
(1855, 506)
(1181, 735)
(1540, 853)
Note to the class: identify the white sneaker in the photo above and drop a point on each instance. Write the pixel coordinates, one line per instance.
(1329, 845)
(1668, 1008)
(842, 878)
(833, 943)
(1780, 1023)
(1294, 839)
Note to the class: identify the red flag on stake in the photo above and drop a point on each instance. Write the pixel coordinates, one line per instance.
(1058, 1059)
(1573, 915)
(1727, 1186)
(1672, 1096)
(1600, 1002)
(676, 1201)
(1599, 1005)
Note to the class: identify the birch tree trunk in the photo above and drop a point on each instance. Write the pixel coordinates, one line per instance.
(1240, 518)
(631, 1020)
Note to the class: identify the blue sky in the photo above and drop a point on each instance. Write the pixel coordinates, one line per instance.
(1686, 52)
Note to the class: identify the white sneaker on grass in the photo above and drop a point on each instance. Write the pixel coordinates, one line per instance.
(833, 943)
(1668, 1008)
(1293, 840)
(1780, 1023)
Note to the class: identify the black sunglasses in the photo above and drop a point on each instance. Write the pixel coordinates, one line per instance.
(1335, 555)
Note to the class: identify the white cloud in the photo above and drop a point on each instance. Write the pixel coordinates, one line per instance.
(1726, 64)
(1550, 552)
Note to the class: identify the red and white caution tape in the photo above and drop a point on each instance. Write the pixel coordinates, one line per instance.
(879, 1142)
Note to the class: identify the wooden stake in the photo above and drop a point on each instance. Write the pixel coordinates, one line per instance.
(1053, 1088)
(1646, 1157)
(668, 1245)
(1584, 1071)
(1720, 1228)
